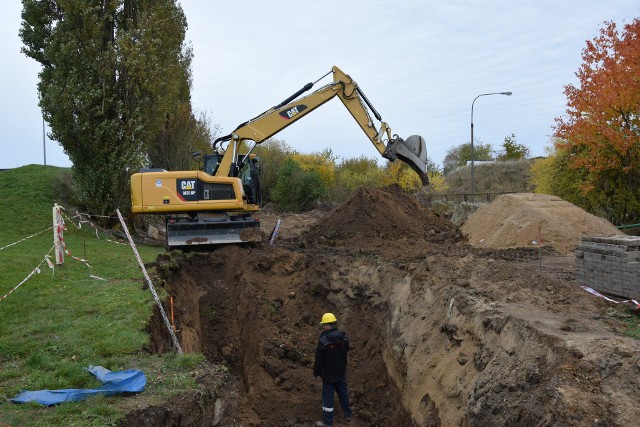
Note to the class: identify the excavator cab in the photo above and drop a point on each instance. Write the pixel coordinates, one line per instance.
(249, 175)
(211, 163)
(247, 169)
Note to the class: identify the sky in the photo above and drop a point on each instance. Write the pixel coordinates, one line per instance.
(420, 63)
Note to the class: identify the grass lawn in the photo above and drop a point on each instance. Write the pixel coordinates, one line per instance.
(60, 321)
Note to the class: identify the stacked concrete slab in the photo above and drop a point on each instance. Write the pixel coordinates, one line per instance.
(610, 265)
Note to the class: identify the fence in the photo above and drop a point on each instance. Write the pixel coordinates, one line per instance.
(468, 197)
(60, 249)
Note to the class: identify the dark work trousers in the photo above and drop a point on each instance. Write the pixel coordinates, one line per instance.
(328, 388)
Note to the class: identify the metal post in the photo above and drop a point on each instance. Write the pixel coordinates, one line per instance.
(473, 154)
(58, 242)
(44, 147)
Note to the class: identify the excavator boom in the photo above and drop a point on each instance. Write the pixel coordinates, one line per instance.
(411, 151)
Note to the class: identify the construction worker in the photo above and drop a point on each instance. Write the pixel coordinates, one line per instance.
(331, 365)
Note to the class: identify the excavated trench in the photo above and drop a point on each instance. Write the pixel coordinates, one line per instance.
(442, 333)
(257, 311)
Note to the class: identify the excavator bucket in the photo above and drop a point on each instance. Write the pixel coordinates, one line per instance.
(412, 151)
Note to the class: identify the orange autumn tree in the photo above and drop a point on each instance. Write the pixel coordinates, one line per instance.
(601, 128)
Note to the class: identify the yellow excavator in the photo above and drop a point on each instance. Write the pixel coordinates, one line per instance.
(215, 205)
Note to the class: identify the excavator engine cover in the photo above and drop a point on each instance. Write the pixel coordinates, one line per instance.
(412, 151)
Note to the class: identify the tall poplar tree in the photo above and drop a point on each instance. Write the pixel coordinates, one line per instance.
(113, 72)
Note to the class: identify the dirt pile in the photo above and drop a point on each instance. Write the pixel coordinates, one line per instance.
(374, 214)
(443, 333)
(527, 219)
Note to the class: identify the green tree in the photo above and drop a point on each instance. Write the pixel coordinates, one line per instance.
(324, 163)
(601, 128)
(552, 175)
(112, 72)
(511, 150)
(459, 155)
(355, 173)
(399, 173)
(433, 168)
(358, 165)
(556, 175)
(182, 133)
(297, 189)
(272, 153)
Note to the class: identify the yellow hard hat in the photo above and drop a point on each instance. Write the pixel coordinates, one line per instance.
(328, 318)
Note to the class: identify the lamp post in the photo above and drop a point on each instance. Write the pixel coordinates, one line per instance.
(473, 182)
(44, 147)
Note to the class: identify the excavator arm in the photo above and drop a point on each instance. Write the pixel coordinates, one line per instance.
(412, 151)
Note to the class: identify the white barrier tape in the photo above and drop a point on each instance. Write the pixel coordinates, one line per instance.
(26, 238)
(97, 278)
(84, 261)
(95, 227)
(148, 279)
(49, 263)
(66, 251)
(34, 271)
(79, 214)
(606, 298)
(97, 216)
(62, 226)
(113, 241)
(83, 221)
(78, 225)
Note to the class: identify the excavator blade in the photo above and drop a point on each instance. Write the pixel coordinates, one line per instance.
(412, 151)
(203, 232)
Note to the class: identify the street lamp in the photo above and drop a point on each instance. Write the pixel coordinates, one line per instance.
(473, 155)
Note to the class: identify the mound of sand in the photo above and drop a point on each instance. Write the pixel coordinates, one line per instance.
(390, 213)
(527, 219)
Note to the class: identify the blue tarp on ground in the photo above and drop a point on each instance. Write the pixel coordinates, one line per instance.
(131, 381)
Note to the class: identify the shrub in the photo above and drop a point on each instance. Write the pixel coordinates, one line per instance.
(297, 189)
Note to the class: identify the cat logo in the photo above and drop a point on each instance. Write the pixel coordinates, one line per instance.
(293, 111)
(186, 189)
(188, 185)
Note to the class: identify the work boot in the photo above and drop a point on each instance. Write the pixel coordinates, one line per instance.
(321, 424)
(348, 418)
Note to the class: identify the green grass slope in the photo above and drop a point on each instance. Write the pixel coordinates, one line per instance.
(60, 321)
